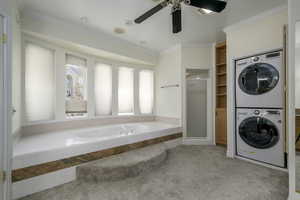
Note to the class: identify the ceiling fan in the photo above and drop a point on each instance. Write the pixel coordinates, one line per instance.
(209, 5)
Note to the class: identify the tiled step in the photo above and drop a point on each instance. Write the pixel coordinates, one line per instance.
(124, 165)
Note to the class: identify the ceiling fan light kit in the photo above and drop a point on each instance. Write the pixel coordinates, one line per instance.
(205, 7)
(204, 11)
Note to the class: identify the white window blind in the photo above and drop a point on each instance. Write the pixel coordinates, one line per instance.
(146, 90)
(125, 91)
(39, 83)
(103, 89)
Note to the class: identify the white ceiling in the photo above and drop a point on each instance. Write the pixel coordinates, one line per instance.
(105, 15)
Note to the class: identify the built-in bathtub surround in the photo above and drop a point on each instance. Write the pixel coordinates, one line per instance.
(37, 170)
(39, 154)
(170, 120)
(55, 126)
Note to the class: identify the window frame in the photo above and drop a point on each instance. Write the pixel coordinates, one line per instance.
(67, 52)
(59, 96)
(136, 69)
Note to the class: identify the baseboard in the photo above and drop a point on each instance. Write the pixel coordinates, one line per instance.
(229, 154)
(194, 141)
(262, 164)
(43, 182)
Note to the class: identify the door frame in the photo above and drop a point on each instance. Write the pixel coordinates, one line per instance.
(209, 140)
(291, 116)
(6, 96)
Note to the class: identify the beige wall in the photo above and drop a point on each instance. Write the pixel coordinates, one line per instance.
(297, 75)
(259, 34)
(297, 57)
(168, 72)
(297, 6)
(262, 35)
(197, 57)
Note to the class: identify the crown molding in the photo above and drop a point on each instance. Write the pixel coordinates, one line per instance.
(197, 45)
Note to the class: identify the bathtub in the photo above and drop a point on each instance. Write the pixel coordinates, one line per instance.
(41, 148)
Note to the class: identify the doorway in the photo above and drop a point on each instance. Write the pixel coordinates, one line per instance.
(5, 99)
(198, 106)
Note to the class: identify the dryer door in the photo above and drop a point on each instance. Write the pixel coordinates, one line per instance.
(259, 132)
(258, 78)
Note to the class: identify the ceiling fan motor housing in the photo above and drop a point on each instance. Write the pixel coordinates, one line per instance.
(176, 17)
(187, 2)
(212, 5)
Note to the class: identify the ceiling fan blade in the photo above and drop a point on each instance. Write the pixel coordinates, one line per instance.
(213, 5)
(151, 12)
(176, 19)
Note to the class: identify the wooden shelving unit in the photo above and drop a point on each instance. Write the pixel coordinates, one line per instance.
(221, 94)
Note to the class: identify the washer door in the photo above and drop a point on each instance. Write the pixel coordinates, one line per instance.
(258, 78)
(259, 132)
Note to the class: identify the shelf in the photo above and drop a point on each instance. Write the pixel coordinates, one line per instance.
(220, 64)
(221, 85)
(220, 95)
(221, 45)
(221, 74)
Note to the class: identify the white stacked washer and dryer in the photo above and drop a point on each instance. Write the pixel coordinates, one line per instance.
(260, 101)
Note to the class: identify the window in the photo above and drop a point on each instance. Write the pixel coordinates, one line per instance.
(76, 86)
(39, 83)
(115, 90)
(125, 91)
(103, 89)
(146, 90)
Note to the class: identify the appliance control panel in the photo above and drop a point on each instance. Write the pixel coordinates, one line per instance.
(259, 58)
(273, 112)
(256, 112)
(255, 59)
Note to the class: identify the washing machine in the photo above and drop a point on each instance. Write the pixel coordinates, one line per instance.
(260, 135)
(260, 81)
